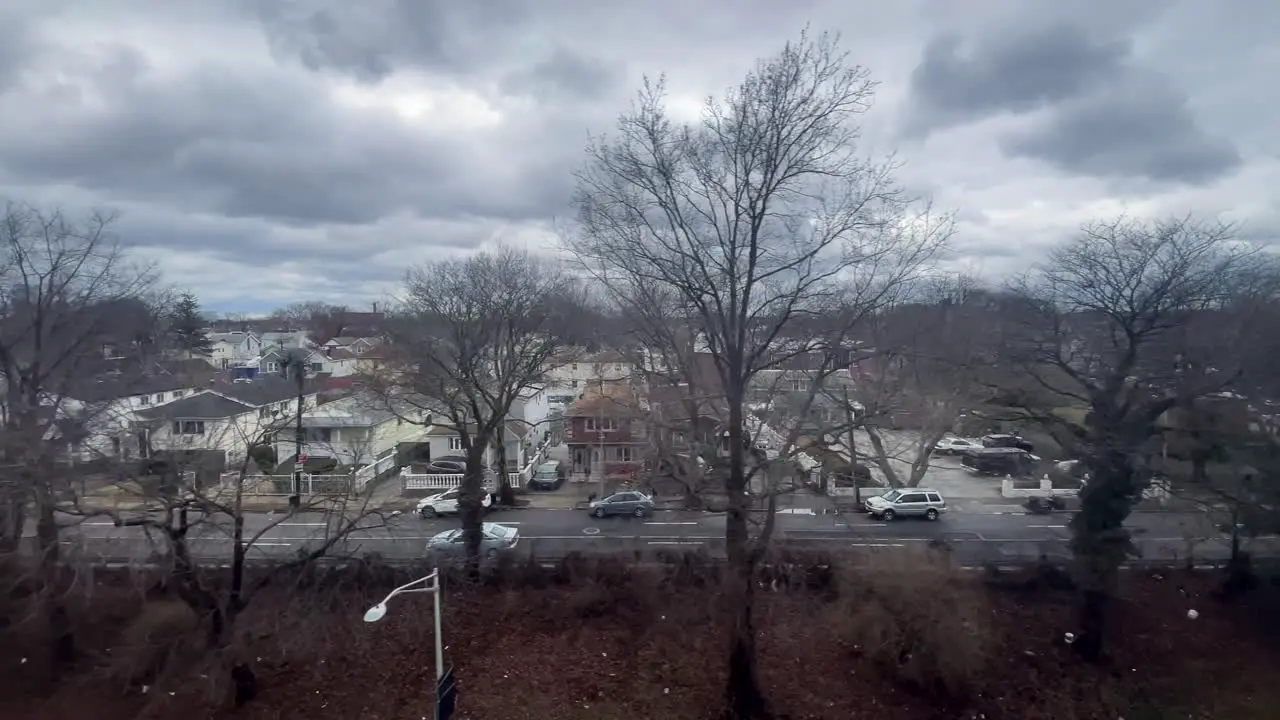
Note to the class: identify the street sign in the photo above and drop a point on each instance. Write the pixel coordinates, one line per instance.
(446, 695)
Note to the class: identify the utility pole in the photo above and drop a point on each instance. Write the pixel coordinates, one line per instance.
(850, 417)
(297, 363)
(600, 432)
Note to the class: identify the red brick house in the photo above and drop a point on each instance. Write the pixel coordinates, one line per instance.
(606, 433)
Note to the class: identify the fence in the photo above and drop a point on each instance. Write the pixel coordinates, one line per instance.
(369, 473)
(432, 481)
(283, 484)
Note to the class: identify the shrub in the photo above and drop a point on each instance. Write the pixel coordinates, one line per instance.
(164, 631)
(922, 625)
(264, 456)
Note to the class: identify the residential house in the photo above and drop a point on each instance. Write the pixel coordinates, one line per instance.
(606, 433)
(444, 440)
(571, 374)
(105, 407)
(226, 416)
(234, 349)
(285, 339)
(354, 430)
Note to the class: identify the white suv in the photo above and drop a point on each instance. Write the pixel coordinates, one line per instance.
(906, 502)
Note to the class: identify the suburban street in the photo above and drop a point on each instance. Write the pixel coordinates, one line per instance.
(974, 538)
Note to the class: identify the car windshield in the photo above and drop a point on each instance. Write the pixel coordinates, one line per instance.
(496, 530)
(892, 495)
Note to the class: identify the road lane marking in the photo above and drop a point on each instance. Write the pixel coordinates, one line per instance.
(284, 524)
(675, 542)
(1057, 527)
(100, 522)
(271, 544)
(671, 523)
(877, 545)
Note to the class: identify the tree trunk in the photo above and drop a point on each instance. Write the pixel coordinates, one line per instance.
(505, 493)
(1101, 544)
(469, 503)
(745, 699)
(61, 638)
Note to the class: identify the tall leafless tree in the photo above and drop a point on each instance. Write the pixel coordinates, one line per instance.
(471, 338)
(66, 289)
(1112, 323)
(759, 216)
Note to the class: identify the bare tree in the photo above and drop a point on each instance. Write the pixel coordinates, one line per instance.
(186, 501)
(471, 338)
(743, 225)
(320, 320)
(66, 290)
(1111, 323)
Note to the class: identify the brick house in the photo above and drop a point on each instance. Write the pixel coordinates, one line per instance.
(605, 434)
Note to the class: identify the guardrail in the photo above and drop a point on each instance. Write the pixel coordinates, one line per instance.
(369, 473)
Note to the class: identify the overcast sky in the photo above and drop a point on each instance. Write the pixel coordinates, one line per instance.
(315, 149)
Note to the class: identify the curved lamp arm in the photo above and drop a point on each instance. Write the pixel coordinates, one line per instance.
(379, 611)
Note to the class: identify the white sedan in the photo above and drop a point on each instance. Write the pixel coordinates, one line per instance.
(955, 446)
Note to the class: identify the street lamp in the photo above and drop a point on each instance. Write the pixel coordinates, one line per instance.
(428, 584)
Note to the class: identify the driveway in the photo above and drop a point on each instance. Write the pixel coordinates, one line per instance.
(945, 474)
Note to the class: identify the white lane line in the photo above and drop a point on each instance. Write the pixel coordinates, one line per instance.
(671, 523)
(284, 524)
(100, 522)
(271, 544)
(675, 542)
(857, 525)
(878, 545)
(1057, 527)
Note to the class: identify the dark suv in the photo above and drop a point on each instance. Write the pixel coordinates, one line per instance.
(1007, 441)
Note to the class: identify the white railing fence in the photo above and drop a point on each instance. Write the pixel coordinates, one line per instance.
(368, 473)
(283, 484)
(436, 481)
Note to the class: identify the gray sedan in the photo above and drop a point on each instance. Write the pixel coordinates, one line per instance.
(494, 539)
(623, 503)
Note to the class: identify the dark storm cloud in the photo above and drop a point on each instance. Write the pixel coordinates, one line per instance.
(248, 145)
(957, 82)
(1102, 114)
(1141, 129)
(371, 39)
(563, 75)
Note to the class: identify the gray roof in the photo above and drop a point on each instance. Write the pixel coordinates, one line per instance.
(263, 390)
(103, 390)
(201, 406)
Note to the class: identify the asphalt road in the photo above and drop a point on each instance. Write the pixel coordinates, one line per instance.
(973, 538)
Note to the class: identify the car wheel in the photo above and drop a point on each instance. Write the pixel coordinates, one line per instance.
(493, 553)
(598, 512)
(427, 513)
(888, 515)
(641, 512)
(931, 514)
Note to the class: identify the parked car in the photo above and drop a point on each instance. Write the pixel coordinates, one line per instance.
(494, 540)
(1002, 440)
(547, 476)
(907, 502)
(623, 503)
(999, 461)
(446, 466)
(954, 446)
(445, 502)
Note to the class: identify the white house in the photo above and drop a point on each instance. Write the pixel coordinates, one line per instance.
(233, 349)
(354, 430)
(227, 416)
(106, 408)
(578, 371)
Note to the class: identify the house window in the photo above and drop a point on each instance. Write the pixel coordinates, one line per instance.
(589, 424)
(596, 368)
(575, 367)
(273, 367)
(608, 424)
(188, 427)
(316, 367)
(144, 400)
(178, 393)
(159, 397)
(573, 383)
(626, 454)
(799, 384)
(455, 443)
(317, 434)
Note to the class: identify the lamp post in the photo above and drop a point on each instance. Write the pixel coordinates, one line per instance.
(428, 584)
